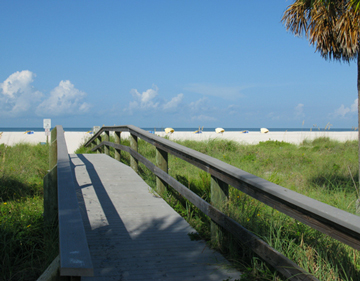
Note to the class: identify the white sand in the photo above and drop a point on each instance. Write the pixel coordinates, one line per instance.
(75, 139)
(255, 137)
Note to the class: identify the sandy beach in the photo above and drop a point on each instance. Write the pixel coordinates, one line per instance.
(75, 139)
(254, 137)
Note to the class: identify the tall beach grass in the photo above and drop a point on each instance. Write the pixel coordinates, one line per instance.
(26, 248)
(322, 169)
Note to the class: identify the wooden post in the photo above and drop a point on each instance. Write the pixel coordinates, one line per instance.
(50, 198)
(53, 149)
(134, 146)
(219, 196)
(118, 141)
(162, 163)
(93, 143)
(98, 141)
(107, 138)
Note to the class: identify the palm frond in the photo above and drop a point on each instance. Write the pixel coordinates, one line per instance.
(332, 26)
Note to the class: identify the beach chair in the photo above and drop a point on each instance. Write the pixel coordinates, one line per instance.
(1, 134)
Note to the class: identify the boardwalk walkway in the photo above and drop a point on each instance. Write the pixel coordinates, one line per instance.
(132, 233)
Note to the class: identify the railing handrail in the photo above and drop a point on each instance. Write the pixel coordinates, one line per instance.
(75, 259)
(345, 226)
(334, 222)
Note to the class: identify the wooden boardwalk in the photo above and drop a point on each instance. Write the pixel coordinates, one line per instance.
(132, 233)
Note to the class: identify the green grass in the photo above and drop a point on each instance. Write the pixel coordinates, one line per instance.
(322, 169)
(26, 247)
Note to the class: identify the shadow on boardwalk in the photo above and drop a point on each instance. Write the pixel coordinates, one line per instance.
(135, 235)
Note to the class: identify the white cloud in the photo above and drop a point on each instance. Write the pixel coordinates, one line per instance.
(342, 110)
(64, 99)
(217, 91)
(17, 82)
(175, 101)
(199, 104)
(299, 110)
(17, 95)
(150, 100)
(144, 100)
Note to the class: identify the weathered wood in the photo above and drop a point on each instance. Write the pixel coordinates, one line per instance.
(336, 223)
(162, 163)
(285, 266)
(106, 137)
(118, 141)
(219, 196)
(134, 146)
(50, 198)
(53, 134)
(135, 235)
(53, 149)
(98, 141)
(75, 257)
(52, 272)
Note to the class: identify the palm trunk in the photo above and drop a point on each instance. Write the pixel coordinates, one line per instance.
(358, 88)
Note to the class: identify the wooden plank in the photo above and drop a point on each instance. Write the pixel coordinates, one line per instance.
(336, 223)
(98, 141)
(75, 257)
(118, 141)
(162, 163)
(106, 137)
(52, 272)
(52, 153)
(281, 263)
(141, 237)
(134, 146)
(50, 198)
(219, 195)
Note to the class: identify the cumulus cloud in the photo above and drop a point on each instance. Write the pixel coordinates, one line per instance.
(343, 111)
(199, 104)
(175, 101)
(17, 95)
(144, 100)
(299, 110)
(64, 99)
(150, 99)
(19, 98)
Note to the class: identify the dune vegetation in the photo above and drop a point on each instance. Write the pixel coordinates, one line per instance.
(323, 169)
(26, 247)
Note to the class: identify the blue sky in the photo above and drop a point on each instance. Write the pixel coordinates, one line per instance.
(166, 64)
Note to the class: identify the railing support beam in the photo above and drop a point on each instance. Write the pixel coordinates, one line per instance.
(53, 149)
(98, 141)
(50, 198)
(219, 197)
(134, 146)
(106, 137)
(118, 141)
(162, 163)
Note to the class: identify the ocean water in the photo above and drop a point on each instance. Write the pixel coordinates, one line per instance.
(86, 129)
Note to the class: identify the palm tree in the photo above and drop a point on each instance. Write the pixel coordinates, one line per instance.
(333, 27)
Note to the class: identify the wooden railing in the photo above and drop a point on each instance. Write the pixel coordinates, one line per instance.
(61, 205)
(334, 222)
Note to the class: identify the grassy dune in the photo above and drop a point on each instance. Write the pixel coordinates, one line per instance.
(322, 169)
(26, 248)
